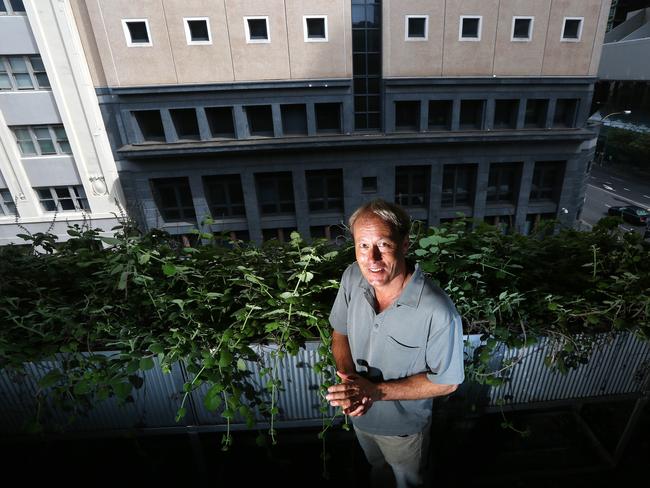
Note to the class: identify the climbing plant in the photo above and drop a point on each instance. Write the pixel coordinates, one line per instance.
(108, 309)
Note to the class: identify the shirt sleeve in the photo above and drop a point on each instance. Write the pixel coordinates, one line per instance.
(339, 313)
(445, 356)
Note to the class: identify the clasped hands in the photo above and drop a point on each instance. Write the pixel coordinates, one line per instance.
(354, 394)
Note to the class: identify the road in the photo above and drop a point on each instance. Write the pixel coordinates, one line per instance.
(606, 188)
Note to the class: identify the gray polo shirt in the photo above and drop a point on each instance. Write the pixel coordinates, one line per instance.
(421, 332)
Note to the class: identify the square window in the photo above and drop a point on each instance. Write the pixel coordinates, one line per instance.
(257, 29)
(505, 114)
(470, 28)
(407, 115)
(136, 32)
(572, 30)
(440, 114)
(220, 121)
(294, 119)
(185, 122)
(197, 31)
(369, 184)
(17, 5)
(471, 114)
(315, 29)
(565, 112)
(328, 117)
(260, 120)
(535, 113)
(522, 28)
(416, 28)
(150, 124)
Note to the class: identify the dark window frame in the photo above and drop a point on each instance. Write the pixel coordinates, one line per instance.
(410, 177)
(186, 212)
(455, 174)
(330, 198)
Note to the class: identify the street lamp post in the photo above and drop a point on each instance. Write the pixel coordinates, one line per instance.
(601, 121)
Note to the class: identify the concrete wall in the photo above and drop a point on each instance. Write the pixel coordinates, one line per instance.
(229, 57)
(443, 54)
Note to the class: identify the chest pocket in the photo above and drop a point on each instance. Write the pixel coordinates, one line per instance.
(401, 359)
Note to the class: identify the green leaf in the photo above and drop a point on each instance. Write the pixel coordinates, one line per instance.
(180, 414)
(123, 279)
(421, 252)
(146, 363)
(212, 400)
(133, 366)
(82, 387)
(169, 269)
(156, 348)
(241, 364)
(225, 358)
(50, 379)
(122, 390)
(111, 240)
(144, 258)
(285, 295)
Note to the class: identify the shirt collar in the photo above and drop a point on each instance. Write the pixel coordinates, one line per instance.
(410, 295)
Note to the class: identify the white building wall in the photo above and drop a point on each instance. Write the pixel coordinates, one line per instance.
(71, 102)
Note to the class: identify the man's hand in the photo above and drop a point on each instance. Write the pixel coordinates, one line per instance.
(354, 395)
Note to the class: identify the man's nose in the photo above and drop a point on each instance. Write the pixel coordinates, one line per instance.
(376, 254)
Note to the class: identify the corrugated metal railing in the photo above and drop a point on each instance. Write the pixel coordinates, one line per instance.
(619, 365)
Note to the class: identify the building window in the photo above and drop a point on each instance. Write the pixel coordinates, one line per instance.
(257, 30)
(197, 30)
(572, 30)
(11, 7)
(369, 184)
(174, 199)
(136, 32)
(294, 119)
(275, 193)
(535, 113)
(458, 185)
(412, 186)
(328, 117)
(547, 181)
(501, 183)
(533, 221)
(334, 233)
(565, 112)
(366, 64)
(221, 122)
(225, 196)
(505, 114)
(440, 114)
(471, 114)
(185, 123)
(150, 124)
(503, 223)
(325, 190)
(470, 28)
(315, 28)
(63, 199)
(407, 115)
(42, 140)
(260, 120)
(417, 27)
(522, 29)
(23, 73)
(7, 203)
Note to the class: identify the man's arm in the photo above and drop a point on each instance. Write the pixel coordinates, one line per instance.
(342, 354)
(356, 390)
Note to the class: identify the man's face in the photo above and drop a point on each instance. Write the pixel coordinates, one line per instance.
(378, 251)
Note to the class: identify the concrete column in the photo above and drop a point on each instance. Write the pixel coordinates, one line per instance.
(488, 114)
(482, 179)
(389, 115)
(525, 183)
(132, 133)
(252, 207)
(424, 115)
(435, 193)
(386, 182)
(201, 207)
(204, 126)
(277, 120)
(352, 197)
(311, 119)
(301, 202)
(348, 115)
(570, 190)
(241, 123)
(455, 114)
(550, 113)
(168, 126)
(521, 114)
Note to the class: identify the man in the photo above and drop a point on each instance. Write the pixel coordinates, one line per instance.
(397, 343)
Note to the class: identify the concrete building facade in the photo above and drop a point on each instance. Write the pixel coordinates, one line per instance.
(56, 164)
(275, 115)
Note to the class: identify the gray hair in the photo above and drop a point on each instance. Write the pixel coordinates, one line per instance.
(391, 214)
